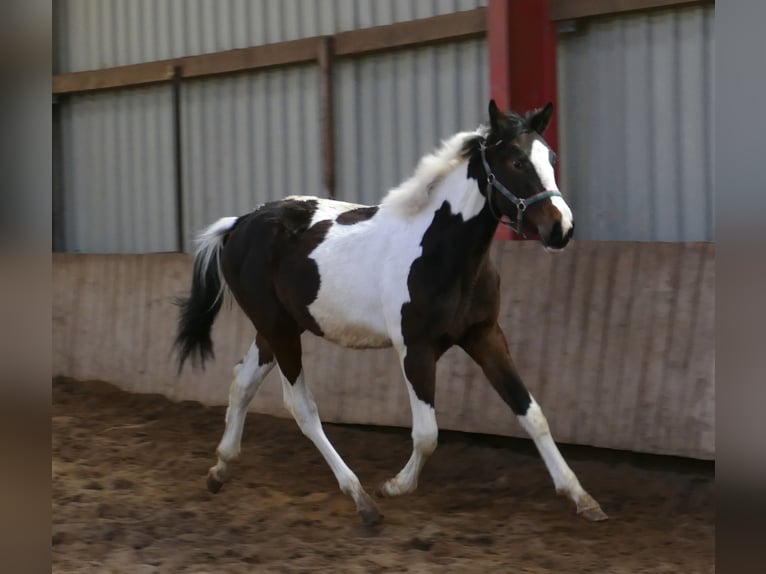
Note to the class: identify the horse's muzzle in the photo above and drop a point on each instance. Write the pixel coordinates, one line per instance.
(557, 239)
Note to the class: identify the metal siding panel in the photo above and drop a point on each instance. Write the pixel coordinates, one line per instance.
(691, 104)
(635, 114)
(248, 139)
(387, 122)
(118, 189)
(325, 16)
(708, 88)
(392, 109)
(406, 142)
(239, 131)
(105, 33)
(664, 129)
(638, 140)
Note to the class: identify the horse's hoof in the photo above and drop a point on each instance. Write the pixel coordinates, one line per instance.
(593, 513)
(213, 484)
(590, 509)
(368, 510)
(371, 516)
(391, 488)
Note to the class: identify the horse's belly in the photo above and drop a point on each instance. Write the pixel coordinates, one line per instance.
(351, 324)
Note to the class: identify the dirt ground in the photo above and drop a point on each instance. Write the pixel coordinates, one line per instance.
(129, 496)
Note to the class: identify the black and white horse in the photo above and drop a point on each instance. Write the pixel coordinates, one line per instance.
(412, 273)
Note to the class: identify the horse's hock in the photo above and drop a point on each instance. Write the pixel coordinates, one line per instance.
(614, 339)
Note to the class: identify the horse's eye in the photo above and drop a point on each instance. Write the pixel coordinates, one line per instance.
(517, 164)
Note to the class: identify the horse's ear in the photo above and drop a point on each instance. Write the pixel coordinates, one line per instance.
(541, 118)
(495, 116)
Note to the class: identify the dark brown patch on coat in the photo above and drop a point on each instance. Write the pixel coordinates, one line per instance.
(265, 354)
(297, 276)
(267, 267)
(455, 299)
(453, 286)
(357, 215)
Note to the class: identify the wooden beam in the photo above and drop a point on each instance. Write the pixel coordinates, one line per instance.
(575, 9)
(425, 31)
(111, 78)
(290, 53)
(326, 57)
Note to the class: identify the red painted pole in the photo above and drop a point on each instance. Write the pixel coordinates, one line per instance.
(522, 62)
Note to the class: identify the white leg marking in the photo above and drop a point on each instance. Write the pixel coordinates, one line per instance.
(564, 479)
(248, 377)
(425, 434)
(299, 401)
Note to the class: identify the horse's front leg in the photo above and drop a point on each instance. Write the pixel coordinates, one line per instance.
(487, 346)
(419, 368)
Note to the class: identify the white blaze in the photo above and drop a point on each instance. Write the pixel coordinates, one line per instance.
(541, 159)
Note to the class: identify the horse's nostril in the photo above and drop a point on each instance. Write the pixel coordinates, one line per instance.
(556, 233)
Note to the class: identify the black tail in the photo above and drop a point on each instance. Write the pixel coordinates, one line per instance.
(199, 310)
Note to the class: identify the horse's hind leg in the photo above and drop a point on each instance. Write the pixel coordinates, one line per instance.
(489, 349)
(248, 376)
(299, 401)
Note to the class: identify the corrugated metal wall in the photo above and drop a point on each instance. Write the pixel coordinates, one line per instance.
(104, 33)
(393, 108)
(636, 113)
(248, 138)
(117, 171)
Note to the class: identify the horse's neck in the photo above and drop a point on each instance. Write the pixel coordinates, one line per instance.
(466, 227)
(461, 192)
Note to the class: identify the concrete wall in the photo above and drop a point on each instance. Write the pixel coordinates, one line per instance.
(614, 339)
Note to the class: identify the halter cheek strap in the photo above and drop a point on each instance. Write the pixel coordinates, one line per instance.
(520, 203)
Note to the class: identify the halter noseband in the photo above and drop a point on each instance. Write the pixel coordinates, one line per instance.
(520, 202)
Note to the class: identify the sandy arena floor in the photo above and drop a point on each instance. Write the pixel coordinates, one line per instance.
(129, 496)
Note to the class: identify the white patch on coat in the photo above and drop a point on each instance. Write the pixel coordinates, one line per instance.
(331, 209)
(541, 158)
(363, 267)
(413, 195)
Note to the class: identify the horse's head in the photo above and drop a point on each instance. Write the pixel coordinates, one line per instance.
(515, 171)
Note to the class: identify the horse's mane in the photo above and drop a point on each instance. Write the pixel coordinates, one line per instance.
(413, 195)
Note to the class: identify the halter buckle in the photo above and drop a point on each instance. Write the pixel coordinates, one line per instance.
(521, 205)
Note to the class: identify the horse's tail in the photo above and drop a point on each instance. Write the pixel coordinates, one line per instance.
(199, 310)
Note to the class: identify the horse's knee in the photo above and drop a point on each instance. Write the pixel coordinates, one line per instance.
(426, 439)
(534, 421)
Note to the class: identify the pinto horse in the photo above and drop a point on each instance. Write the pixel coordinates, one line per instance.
(412, 273)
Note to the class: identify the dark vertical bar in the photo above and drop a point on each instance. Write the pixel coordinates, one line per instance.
(326, 57)
(178, 160)
(59, 243)
(57, 200)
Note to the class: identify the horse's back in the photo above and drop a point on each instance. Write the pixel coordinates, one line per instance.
(317, 259)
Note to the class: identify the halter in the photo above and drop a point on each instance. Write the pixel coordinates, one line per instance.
(520, 202)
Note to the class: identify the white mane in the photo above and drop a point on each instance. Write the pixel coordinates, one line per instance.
(413, 195)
